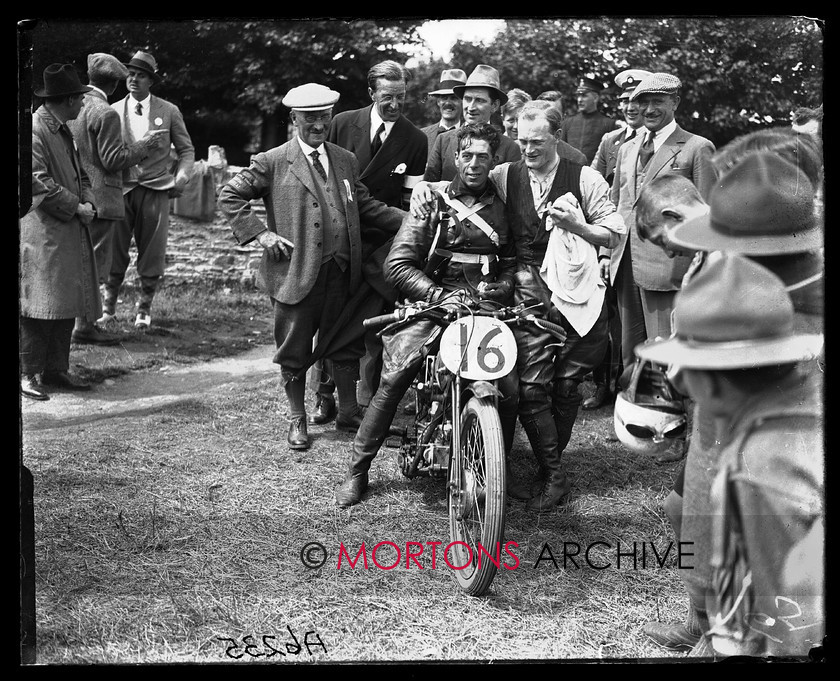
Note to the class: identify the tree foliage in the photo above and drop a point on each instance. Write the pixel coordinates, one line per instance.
(229, 76)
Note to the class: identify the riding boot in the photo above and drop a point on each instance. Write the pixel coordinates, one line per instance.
(565, 405)
(515, 488)
(373, 430)
(542, 432)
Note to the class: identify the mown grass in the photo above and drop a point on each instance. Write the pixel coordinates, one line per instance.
(160, 538)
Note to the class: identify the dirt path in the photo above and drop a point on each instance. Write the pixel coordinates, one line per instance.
(142, 391)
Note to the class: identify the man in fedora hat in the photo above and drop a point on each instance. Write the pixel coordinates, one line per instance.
(148, 190)
(774, 225)
(316, 210)
(607, 372)
(57, 270)
(585, 129)
(105, 155)
(481, 96)
(736, 352)
(448, 103)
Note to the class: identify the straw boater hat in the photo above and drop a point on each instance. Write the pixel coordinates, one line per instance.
(763, 206)
(449, 78)
(310, 97)
(629, 80)
(61, 80)
(734, 314)
(145, 62)
(483, 76)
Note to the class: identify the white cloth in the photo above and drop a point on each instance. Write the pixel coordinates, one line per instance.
(139, 124)
(570, 270)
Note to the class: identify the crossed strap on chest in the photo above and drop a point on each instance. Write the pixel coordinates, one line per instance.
(462, 212)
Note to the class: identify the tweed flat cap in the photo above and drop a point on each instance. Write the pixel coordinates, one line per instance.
(310, 97)
(106, 65)
(629, 80)
(657, 84)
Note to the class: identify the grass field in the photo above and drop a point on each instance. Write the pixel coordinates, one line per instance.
(176, 534)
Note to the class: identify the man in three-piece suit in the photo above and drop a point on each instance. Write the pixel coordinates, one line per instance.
(448, 103)
(481, 97)
(97, 132)
(147, 191)
(316, 210)
(645, 278)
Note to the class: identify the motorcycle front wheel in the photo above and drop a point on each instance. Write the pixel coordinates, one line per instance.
(476, 498)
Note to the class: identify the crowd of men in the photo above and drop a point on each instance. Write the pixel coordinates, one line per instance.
(688, 281)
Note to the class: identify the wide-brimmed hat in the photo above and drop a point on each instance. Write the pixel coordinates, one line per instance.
(61, 80)
(311, 97)
(106, 66)
(657, 84)
(145, 62)
(482, 76)
(763, 206)
(449, 78)
(734, 314)
(587, 84)
(629, 80)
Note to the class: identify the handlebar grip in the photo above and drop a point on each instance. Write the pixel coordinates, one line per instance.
(552, 328)
(383, 319)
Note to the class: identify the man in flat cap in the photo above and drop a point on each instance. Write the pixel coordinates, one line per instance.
(481, 96)
(148, 190)
(57, 271)
(608, 371)
(645, 278)
(585, 129)
(317, 208)
(737, 353)
(448, 103)
(105, 155)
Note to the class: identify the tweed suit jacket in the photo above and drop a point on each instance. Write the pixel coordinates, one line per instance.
(98, 134)
(441, 163)
(156, 169)
(607, 155)
(282, 178)
(683, 153)
(405, 146)
(432, 132)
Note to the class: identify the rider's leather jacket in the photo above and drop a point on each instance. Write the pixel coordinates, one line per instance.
(413, 267)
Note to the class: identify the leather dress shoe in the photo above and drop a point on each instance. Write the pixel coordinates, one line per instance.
(670, 635)
(62, 379)
(324, 410)
(30, 387)
(93, 335)
(350, 492)
(598, 398)
(298, 437)
(349, 423)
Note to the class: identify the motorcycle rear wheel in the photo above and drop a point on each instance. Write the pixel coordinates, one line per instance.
(476, 497)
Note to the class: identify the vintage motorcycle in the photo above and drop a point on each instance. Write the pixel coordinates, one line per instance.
(456, 433)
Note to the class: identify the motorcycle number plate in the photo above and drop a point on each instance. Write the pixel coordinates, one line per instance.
(478, 348)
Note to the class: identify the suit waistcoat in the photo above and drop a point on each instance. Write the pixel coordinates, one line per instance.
(335, 237)
(526, 225)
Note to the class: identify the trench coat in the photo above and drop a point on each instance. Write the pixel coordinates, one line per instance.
(58, 278)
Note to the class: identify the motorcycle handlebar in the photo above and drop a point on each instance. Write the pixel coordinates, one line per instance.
(383, 319)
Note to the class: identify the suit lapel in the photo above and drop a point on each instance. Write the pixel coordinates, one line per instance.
(360, 136)
(667, 153)
(300, 168)
(389, 148)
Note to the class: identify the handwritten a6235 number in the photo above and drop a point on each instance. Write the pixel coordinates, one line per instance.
(250, 647)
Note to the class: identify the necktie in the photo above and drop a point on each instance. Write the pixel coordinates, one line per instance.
(630, 136)
(646, 152)
(317, 164)
(376, 142)
(138, 109)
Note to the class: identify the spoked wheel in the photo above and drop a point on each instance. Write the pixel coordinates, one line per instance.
(477, 497)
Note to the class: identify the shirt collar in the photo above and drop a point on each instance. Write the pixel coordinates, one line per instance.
(376, 121)
(144, 102)
(100, 91)
(447, 127)
(664, 133)
(457, 188)
(308, 150)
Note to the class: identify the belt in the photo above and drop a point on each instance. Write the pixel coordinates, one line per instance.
(473, 258)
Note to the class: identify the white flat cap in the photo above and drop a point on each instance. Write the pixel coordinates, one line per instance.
(310, 97)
